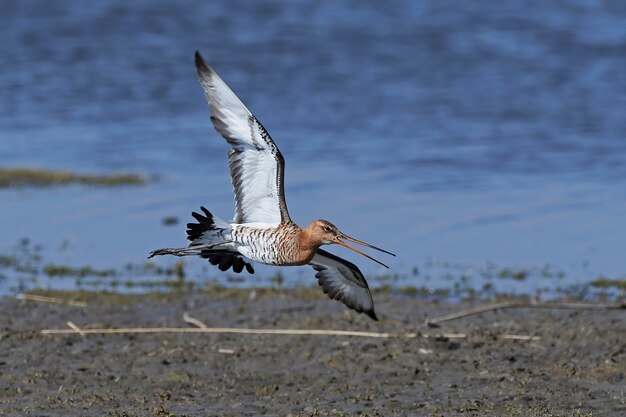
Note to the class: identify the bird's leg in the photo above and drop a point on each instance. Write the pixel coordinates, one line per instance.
(172, 251)
(194, 250)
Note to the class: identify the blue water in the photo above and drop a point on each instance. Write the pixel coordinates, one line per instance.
(475, 133)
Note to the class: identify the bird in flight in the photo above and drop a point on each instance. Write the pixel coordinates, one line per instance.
(262, 230)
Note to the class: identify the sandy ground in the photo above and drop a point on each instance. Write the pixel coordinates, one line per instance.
(576, 367)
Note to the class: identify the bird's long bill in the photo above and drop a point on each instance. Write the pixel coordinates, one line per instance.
(351, 239)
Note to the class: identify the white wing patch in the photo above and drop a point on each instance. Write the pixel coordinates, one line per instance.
(341, 280)
(256, 165)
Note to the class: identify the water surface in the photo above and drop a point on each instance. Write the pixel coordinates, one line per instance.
(462, 132)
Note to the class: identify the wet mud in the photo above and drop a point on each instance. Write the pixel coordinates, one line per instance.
(568, 362)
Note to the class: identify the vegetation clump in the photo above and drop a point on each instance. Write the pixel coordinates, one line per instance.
(519, 275)
(67, 271)
(21, 177)
(603, 282)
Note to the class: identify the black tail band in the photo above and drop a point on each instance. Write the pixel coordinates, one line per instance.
(205, 223)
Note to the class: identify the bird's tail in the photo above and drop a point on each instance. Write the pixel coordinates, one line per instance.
(210, 233)
(210, 229)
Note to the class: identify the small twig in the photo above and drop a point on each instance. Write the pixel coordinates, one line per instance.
(520, 337)
(75, 328)
(53, 300)
(517, 304)
(188, 319)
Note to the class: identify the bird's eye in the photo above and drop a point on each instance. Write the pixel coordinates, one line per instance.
(327, 229)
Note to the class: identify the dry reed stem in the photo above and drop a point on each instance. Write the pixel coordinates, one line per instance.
(188, 319)
(526, 304)
(202, 328)
(312, 332)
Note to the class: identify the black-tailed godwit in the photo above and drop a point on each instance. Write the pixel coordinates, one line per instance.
(262, 230)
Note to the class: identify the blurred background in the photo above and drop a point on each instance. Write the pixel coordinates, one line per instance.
(483, 142)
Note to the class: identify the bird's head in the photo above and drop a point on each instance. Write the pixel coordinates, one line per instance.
(324, 232)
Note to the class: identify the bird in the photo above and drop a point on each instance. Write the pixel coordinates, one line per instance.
(262, 230)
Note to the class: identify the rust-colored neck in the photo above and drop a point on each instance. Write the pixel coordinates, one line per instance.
(307, 242)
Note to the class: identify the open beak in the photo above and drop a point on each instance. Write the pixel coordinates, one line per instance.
(342, 243)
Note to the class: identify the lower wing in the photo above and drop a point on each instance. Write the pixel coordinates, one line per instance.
(343, 281)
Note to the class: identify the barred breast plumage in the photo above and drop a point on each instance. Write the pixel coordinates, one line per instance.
(279, 245)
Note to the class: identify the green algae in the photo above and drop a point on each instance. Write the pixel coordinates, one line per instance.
(67, 271)
(8, 261)
(603, 282)
(508, 273)
(277, 279)
(23, 177)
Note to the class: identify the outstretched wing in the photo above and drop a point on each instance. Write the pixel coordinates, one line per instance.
(343, 281)
(257, 167)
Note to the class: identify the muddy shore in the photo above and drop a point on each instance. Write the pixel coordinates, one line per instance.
(574, 365)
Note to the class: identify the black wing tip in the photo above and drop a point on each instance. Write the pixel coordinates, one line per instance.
(198, 57)
(201, 66)
(372, 314)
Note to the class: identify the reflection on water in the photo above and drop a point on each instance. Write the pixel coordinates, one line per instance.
(461, 131)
